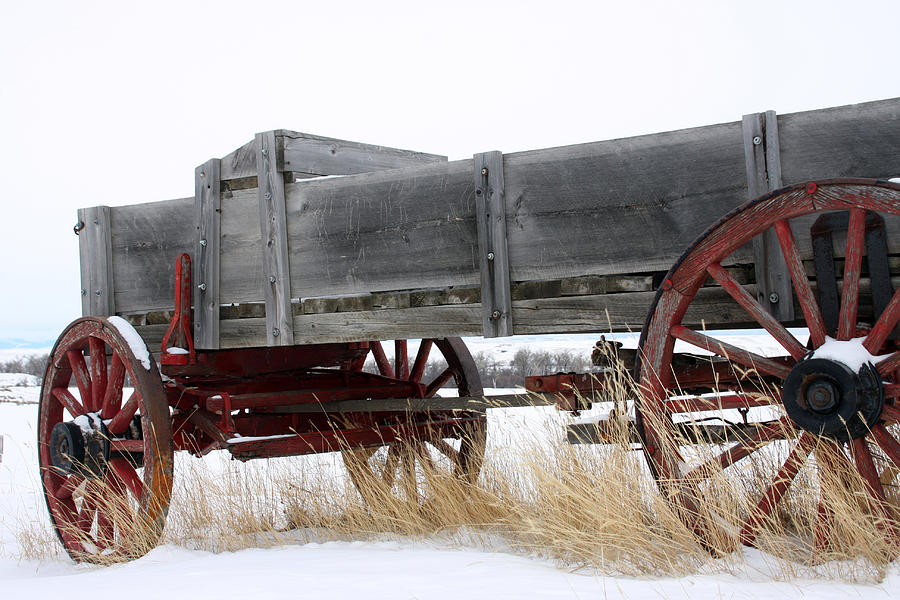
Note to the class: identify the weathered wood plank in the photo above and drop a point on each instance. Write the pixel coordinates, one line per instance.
(326, 156)
(621, 206)
(273, 231)
(241, 163)
(763, 160)
(858, 140)
(207, 195)
(95, 253)
(493, 257)
(389, 230)
(146, 241)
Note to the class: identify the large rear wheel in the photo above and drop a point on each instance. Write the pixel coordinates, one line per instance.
(780, 443)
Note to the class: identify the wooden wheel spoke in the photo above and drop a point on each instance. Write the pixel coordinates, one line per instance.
(888, 444)
(122, 419)
(739, 355)
(805, 295)
(68, 401)
(862, 456)
(887, 366)
(444, 447)
(885, 325)
(85, 519)
(742, 449)
(389, 471)
(856, 231)
(418, 368)
(68, 486)
(756, 310)
(438, 382)
(128, 476)
(112, 399)
(775, 492)
(381, 361)
(410, 483)
(82, 376)
(98, 372)
(401, 360)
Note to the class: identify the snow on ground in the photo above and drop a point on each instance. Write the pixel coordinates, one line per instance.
(395, 569)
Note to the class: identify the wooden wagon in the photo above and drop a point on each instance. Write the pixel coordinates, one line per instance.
(243, 317)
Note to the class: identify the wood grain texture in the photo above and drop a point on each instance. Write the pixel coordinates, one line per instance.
(763, 162)
(146, 241)
(493, 257)
(273, 231)
(326, 156)
(208, 211)
(96, 258)
(241, 163)
(622, 206)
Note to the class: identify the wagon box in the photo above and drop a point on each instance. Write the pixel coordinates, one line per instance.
(252, 317)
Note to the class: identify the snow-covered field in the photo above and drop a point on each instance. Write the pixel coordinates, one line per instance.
(387, 569)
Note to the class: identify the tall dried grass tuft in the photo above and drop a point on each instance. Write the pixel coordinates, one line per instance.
(593, 507)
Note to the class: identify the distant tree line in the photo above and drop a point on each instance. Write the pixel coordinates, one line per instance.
(499, 371)
(35, 365)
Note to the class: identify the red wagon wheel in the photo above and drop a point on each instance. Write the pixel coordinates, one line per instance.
(823, 416)
(402, 468)
(105, 451)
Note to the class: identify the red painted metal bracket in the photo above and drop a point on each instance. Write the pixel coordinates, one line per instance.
(179, 334)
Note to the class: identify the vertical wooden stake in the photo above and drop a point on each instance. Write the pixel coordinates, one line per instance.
(273, 228)
(493, 257)
(95, 250)
(208, 203)
(763, 160)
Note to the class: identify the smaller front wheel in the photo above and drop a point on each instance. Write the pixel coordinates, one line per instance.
(105, 450)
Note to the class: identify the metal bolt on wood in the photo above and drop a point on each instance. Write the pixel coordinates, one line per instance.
(202, 242)
(265, 151)
(272, 279)
(773, 298)
(276, 332)
(757, 140)
(490, 256)
(484, 171)
(496, 314)
(99, 292)
(202, 287)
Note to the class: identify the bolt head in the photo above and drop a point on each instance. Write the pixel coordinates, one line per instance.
(99, 292)
(496, 314)
(490, 256)
(202, 242)
(272, 279)
(773, 298)
(757, 140)
(276, 332)
(265, 151)
(202, 287)
(484, 171)
(268, 196)
(83, 292)
(478, 192)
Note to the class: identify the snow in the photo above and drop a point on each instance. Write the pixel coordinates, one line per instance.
(429, 568)
(851, 353)
(176, 350)
(133, 339)
(17, 380)
(239, 439)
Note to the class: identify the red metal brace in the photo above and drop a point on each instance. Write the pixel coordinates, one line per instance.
(178, 335)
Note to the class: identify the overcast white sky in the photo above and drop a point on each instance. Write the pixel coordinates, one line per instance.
(116, 102)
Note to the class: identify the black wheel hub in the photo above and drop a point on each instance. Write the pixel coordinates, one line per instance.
(77, 450)
(827, 398)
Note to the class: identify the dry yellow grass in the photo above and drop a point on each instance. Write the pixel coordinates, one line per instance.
(592, 507)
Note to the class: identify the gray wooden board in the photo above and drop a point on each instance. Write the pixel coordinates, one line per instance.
(325, 156)
(273, 234)
(146, 241)
(95, 254)
(572, 314)
(859, 140)
(207, 259)
(572, 211)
